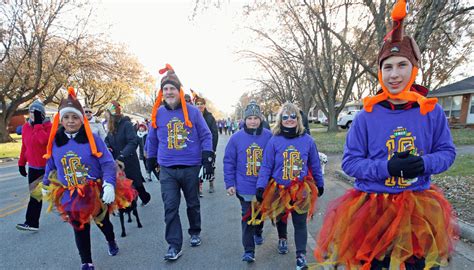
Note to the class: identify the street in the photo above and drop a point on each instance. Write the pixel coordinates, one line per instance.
(53, 246)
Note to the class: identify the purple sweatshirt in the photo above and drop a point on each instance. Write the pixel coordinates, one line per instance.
(75, 163)
(242, 160)
(173, 143)
(285, 159)
(374, 137)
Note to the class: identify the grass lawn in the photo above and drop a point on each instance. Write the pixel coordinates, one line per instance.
(463, 166)
(333, 142)
(11, 149)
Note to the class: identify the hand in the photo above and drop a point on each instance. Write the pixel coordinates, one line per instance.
(259, 194)
(109, 193)
(405, 165)
(151, 163)
(231, 191)
(120, 164)
(22, 170)
(38, 117)
(208, 165)
(320, 191)
(45, 192)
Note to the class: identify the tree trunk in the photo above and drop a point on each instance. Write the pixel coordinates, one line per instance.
(4, 134)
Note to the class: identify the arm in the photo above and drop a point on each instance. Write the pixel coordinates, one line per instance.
(107, 163)
(315, 165)
(49, 168)
(132, 141)
(268, 162)
(152, 143)
(22, 160)
(355, 162)
(230, 164)
(214, 132)
(443, 151)
(102, 132)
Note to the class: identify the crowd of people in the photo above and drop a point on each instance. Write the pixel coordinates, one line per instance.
(392, 218)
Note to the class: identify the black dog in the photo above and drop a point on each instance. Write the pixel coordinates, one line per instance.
(128, 210)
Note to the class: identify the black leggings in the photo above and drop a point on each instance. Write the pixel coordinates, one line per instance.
(83, 238)
(33, 211)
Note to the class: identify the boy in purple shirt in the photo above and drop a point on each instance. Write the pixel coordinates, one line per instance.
(242, 161)
(394, 215)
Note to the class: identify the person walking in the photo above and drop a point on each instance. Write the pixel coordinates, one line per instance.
(291, 161)
(180, 142)
(96, 125)
(142, 135)
(80, 177)
(393, 217)
(211, 124)
(122, 142)
(242, 161)
(34, 139)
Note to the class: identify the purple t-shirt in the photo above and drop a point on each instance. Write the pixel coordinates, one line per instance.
(285, 159)
(374, 137)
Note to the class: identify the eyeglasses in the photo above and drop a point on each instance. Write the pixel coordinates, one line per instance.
(88, 111)
(286, 117)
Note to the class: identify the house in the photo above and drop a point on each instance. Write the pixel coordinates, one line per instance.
(457, 100)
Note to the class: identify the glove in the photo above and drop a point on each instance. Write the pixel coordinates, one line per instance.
(320, 191)
(405, 165)
(22, 170)
(151, 163)
(208, 165)
(45, 192)
(109, 193)
(38, 117)
(259, 194)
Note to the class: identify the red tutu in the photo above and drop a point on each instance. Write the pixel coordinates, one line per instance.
(85, 201)
(360, 227)
(279, 201)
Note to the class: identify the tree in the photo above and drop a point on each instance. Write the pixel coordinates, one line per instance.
(34, 58)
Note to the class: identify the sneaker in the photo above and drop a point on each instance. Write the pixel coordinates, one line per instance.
(113, 248)
(173, 254)
(87, 266)
(282, 246)
(258, 239)
(211, 187)
(26, 227)
(195, 240)
(301, 262)
(249, 256)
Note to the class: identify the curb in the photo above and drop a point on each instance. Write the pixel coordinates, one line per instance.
(466, 230)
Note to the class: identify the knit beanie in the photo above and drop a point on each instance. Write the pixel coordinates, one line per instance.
(397, 44)
(252, 109)
(37, 105)
(170, 78)
(70, 104)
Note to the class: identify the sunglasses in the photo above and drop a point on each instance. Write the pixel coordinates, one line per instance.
(286, 117)
(88, 111)
(199, 104)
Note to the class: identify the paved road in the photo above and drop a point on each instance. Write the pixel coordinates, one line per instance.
(53, 246)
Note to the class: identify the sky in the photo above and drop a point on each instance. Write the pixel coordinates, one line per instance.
(202, 51)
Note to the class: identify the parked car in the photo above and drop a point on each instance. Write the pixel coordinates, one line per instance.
(345, 120)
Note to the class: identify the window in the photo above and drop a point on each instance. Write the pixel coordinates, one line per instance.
(451, 106)
(471, 111)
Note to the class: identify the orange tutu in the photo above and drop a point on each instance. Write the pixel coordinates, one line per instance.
(360, 227)
(279, 201)
(86, 203)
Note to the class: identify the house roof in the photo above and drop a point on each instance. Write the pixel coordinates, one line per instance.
(465, 86)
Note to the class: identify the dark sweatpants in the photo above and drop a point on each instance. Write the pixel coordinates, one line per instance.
(173, 180)
(248, 231)
(301, 231)
(33, 211)
(83, 238)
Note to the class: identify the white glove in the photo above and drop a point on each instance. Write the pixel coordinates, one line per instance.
(45, 192)
(109, 193)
